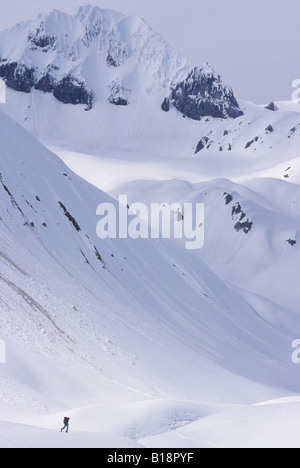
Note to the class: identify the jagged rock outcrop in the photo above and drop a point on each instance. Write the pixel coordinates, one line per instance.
(203, 93)
(166, 105)
(118, 94)
(69, 90)
(17, 76)
(202, 144)
(272, 107)
(72, 91)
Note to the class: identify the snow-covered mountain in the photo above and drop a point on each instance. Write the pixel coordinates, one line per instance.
(99, 54)
(98, 60)
(141, 342)
(70, 77)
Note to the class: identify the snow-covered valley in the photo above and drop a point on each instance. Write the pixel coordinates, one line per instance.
(143, 343)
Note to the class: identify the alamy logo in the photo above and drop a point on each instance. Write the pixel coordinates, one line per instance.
(296, 93)
(296, 353)
(2, 91)
(162, 220)
(2, 352)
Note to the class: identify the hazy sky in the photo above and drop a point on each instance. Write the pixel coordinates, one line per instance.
(253, 44)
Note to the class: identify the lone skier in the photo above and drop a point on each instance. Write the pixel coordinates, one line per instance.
(66, 424)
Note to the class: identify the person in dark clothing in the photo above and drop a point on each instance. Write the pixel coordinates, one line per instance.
(66, 424)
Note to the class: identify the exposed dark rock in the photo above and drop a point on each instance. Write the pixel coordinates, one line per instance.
(70, 217)
(118, 50)
(270, 129)
(291, 242)
(118, 94)
(69, 90)
(111, 62)
(118, 101)
(241, 225)
(237, 209)
(203, 94)
(228, 198)
(292, 131)
(272, 107)
(17, 77)
(45, 84)
(13, 200)
(202, 144)
(42, 41)
(72, 91)
(29, 204)
(246, 226)
(98, 256)
(250, 143)
(166, 105)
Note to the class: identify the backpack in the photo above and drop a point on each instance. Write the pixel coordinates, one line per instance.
(66, 420)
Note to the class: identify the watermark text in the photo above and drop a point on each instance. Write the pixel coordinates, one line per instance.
(2, 91)
(296, 93)
(160, 220)
(2, 352)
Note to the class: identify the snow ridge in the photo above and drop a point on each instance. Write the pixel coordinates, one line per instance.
(69, 56)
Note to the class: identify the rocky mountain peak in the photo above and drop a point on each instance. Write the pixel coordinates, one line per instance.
(202, 93)
(79, 59)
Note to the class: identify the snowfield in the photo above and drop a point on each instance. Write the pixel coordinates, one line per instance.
(270, 424)
(143, 343)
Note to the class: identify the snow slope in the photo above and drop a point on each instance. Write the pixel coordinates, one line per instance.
(270, 424)
(260, 266)
(82, 331)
